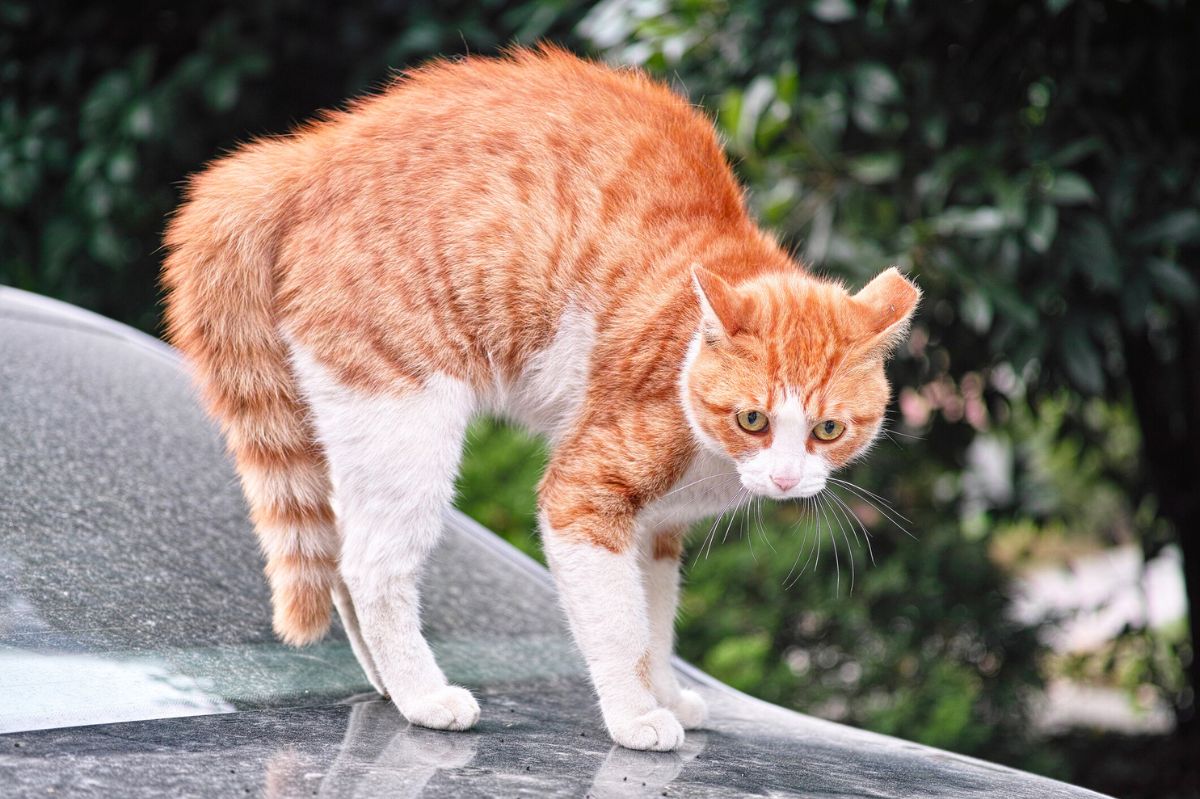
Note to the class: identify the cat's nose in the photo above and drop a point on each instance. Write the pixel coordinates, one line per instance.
(785, 483)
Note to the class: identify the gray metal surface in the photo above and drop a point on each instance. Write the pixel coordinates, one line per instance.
(136, 656)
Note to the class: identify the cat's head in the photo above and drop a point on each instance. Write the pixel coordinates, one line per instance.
(786, 376)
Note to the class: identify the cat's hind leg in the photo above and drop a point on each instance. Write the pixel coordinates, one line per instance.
(393, 458)
(350, 623)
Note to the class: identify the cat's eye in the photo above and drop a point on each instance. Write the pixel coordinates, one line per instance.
(752, 421)
(828, 430)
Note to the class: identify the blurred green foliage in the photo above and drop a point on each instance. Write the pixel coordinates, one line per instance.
(106, 107)
(1034, 166)
(496, 484)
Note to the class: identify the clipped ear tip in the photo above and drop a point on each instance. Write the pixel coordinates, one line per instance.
(896, 278)
(906, 290)
(889, 301)
(891, 292)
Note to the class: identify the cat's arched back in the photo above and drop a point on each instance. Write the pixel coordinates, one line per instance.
(540, 237)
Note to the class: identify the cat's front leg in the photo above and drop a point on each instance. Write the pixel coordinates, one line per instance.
(664, 548)
(595, 562)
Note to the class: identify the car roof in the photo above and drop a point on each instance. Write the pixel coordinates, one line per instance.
(136, 653)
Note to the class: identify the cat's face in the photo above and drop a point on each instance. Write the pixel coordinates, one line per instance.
(786, 377)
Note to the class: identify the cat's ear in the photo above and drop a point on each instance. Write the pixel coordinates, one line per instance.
(887, 304)
(723, 310)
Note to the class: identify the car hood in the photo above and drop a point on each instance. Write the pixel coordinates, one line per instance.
(136, 655)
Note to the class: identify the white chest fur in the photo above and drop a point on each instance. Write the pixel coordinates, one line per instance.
(709, 486)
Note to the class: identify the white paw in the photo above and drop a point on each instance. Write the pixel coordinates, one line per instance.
(690, 708)
(449, 708)
(657, 730)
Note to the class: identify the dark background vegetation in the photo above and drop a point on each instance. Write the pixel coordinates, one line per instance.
(1035, 166)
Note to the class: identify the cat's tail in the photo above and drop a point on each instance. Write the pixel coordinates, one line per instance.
(219, 276)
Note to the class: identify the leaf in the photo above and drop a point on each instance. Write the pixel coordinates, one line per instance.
(976, 311)
(1091, 252)
(1070, 188)
(139, 121)
(729, 112)
(1013, 304)
(876, 84)
(106, 98)
(1042, 227)
(1081, 360)
(106, 246)
(933, 131)
(1136, 299)
(1025, 350)
(18, 184)
(1122, 186)
(1176, 227)
(758, 97)
(834, 10)
(122, 165)
(1075, 151)
(875, 168)
(969, 221)
(1173, 282)
(867, 116)
(221, 89)
(60, 240)
(787, 82)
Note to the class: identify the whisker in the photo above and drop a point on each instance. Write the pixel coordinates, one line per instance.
(748, 530)
(849, 549)
(762, 525)
(696, 482)
(732, 505)
(838, 506)
(890, 514)
(849, 513)
(711, 531)
(862, 491)
(894, 431)
(886, 515)
(817, 562)
(833, 543)
(803, 545)
(729, 524)
(815, 528)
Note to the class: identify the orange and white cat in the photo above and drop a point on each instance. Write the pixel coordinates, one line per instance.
(536, 237)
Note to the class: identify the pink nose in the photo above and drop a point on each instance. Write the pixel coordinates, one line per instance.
(785, 483)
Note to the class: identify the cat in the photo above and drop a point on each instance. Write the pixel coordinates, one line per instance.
(542, 238)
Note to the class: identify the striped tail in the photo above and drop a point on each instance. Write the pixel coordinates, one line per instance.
(219, 276)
